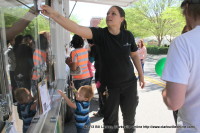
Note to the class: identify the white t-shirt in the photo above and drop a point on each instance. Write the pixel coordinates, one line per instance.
(183, 66)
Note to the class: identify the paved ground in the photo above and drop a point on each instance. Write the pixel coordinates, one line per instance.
(151, 114)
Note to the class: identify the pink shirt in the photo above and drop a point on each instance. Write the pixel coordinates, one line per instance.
(142, 52)
(91, 69)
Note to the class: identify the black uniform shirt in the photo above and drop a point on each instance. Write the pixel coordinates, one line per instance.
(116, 66)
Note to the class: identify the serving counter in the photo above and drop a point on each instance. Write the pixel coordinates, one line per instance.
(53, 120)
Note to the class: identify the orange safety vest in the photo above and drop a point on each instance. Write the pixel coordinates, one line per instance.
(39, 60)
(80, 56)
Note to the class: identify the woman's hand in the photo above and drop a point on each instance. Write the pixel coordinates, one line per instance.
(48, 11)
(141, 81)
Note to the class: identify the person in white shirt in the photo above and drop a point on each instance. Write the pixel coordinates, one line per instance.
(182, 72)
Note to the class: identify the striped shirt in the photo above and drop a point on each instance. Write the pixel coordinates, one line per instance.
(80, 56)
(82, 113)
(39, 59)
(26, 114)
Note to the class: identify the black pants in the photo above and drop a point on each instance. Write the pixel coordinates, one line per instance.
(13, 84)
(12, 79)
(175, 114)
(82, 82)
(102, 98)
(24, 81)
(127, 98)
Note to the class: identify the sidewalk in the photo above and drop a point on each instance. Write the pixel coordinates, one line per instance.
(152, 114)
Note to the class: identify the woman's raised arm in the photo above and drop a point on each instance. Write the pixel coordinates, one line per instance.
(67, 23)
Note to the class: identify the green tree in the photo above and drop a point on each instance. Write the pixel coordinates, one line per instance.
(134, 24)
(13, 14)
(145, 18)
(102, 24)
(40, 23)
(176, 21)
(43, 23)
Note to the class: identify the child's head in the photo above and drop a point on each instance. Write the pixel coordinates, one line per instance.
(85, 93)
(22, 95)
(77, 42)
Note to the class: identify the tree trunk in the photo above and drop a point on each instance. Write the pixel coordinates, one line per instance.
(159, 40)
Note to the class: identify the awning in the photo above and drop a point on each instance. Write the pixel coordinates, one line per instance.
(7, 3)
(10, 3)
(109, 2)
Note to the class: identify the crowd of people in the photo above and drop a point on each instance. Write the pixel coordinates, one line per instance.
(181, 92)
(114, 53)
(27, 64)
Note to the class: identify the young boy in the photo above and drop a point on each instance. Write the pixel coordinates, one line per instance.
(26, 106)
(81, 106)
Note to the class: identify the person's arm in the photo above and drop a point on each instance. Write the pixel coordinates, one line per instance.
(33, 106)
(174, 95)
(136, 62)
(69, 25)
(145, 54)
(72, 65)
(8, 52)
(73, 87)
(20, 25)
(69, 102)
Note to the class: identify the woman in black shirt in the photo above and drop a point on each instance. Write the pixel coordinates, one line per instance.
(116, 48)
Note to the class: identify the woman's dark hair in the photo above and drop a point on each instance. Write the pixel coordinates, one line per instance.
(185, 29)
(77, 42)
(43, 42)
(29, 37)
(18, 41)
(122, 14)
(24, 60)
(193, 8)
